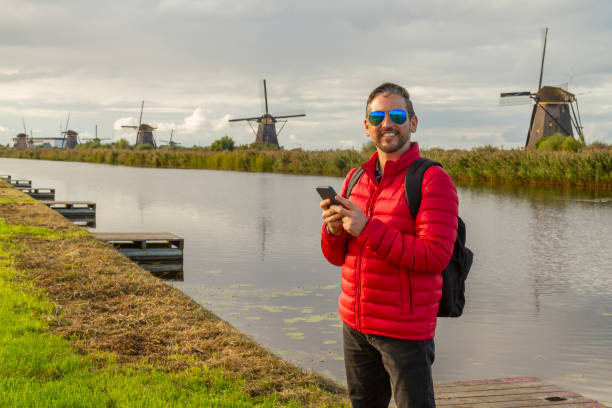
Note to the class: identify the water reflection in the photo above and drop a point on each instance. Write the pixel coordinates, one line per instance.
(538, 297)
(264, 220)
(540, 193)
(548, 234)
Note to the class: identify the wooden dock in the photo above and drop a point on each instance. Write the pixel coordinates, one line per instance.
(21, 183)
(39, 193)
(159, 253)
(82, 213)
(524, 392)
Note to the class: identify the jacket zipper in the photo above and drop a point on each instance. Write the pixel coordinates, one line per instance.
(358, 277)
(358, 299)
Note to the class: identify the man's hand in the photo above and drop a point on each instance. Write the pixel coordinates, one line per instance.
(353, 219)
(331, 217)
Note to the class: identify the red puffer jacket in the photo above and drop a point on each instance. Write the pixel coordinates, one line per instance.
(391, 281)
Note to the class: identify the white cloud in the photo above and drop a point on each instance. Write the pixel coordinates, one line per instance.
(165, 126)
(128, 121)
(194, 122)
(221, 123)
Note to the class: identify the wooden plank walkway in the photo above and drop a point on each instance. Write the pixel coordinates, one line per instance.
(138, 237)
(21, 183)
(159, 253)
(79, 212)
(508, 393)
(41, 193)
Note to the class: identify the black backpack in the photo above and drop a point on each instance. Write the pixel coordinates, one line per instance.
(455, 274)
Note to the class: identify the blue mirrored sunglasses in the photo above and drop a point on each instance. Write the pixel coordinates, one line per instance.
(398, 116)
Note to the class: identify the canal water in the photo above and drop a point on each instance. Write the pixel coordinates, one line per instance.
(539, 295)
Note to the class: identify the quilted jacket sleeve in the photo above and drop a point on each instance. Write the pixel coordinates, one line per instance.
(430, 249)
(334, 247)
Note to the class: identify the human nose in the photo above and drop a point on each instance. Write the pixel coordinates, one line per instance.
(387, 120)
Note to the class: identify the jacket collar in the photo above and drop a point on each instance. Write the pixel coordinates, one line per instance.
(393, 167)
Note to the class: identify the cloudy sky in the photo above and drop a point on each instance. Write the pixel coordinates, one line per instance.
(197, 63)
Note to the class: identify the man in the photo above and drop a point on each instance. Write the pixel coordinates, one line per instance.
(391, 263)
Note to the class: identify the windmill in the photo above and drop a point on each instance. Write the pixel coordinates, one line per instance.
(170, 142)
(144, 132)
(21, 141)
(266, 123)
(71, 138)
(95, 139)
(553, 109)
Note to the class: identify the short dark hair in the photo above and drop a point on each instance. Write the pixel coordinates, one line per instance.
(394, 89)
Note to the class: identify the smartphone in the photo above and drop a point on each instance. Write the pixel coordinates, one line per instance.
(328, 192)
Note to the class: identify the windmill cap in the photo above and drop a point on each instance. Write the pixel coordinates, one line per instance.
(554, 94)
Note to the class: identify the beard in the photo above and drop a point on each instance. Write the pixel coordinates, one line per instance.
(399, 141)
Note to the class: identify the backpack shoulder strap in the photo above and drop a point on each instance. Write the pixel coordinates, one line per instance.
(414, 181)
(353, 180)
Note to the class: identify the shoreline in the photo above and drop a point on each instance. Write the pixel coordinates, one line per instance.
(486, 166)
(104, 303)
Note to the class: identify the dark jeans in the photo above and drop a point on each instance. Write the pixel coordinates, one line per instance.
(375, 364)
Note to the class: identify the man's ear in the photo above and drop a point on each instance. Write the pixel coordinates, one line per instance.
(366, 125)
(414, 121)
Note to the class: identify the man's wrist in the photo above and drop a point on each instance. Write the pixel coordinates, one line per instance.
(330, 231)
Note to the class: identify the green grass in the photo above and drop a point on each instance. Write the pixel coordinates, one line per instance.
(9, 230)
(16, 200)
(40, 369)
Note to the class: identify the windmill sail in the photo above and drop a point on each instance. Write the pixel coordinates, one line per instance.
(543, 55)
(515, 98)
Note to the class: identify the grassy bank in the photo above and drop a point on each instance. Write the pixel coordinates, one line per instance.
(591, 168)
(83, 326)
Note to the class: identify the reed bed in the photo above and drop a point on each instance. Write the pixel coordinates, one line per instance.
(586, 168)
(590, 168)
